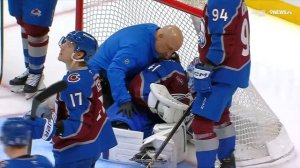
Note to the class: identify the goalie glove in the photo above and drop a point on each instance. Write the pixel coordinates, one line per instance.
(202, 79)
(160, 101)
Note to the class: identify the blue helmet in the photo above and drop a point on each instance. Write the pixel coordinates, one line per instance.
(83, 42)
(15, 132)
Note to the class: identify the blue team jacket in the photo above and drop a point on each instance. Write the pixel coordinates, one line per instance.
(123, 55)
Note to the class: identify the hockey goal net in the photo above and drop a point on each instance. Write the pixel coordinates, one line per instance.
(261, 137)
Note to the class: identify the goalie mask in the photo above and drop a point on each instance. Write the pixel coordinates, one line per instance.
(161, 102)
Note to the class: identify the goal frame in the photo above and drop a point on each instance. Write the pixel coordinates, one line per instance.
(279, 148)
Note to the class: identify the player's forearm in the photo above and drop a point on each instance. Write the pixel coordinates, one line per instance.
(216, 53)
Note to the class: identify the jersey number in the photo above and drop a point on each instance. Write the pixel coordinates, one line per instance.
(154, 67)
(74, 97)
(219, 15)
(245, 37)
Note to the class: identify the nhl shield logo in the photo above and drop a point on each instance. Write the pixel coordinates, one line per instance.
(36, 12)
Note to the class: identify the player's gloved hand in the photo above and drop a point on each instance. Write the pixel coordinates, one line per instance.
(41, 128)
(128, 109)
(202, 79)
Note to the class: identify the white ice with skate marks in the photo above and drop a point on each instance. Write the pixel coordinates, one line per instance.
(12, 104)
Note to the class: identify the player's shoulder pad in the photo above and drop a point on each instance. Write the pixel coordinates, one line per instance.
(171, 64)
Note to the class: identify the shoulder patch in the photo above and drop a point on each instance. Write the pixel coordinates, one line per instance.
(74, 77)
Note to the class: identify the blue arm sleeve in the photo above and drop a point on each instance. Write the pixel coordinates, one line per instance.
(123, 62)
(220, 14)
(95, 62)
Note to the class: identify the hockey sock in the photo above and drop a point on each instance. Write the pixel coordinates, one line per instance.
(25, 47)
(206, 142)
(226, 133)
(37, 47)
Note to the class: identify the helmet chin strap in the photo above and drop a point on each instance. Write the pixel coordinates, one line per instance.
(74, 60)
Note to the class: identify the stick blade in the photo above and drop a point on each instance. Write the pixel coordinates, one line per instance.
(48, 92)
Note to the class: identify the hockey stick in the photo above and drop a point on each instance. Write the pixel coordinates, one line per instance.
(41, 97)
(174, 129)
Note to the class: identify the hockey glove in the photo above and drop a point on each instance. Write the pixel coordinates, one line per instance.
(202, 79)
(128, 109)
(41, 128)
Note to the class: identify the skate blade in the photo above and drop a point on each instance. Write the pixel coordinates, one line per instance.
(41, 87)
(17, 89)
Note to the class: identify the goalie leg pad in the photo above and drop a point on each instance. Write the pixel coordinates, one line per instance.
(176, 150)
(129, 143)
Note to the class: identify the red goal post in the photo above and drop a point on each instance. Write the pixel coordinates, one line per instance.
(193, 7)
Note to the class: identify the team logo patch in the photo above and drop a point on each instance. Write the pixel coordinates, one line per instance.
(36, 12)
(127, 61)
(74, 77)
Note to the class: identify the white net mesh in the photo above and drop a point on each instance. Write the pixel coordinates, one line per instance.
(256, 124)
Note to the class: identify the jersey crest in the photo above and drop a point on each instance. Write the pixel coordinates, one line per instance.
(74, 77)
(36, 12)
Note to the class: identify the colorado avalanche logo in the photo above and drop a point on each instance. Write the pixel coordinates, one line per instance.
(201, 36)
(36, 12)
(74, 77)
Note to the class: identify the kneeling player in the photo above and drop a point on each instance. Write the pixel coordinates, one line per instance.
(168, 73)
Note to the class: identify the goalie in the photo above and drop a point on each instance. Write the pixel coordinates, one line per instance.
(156, 109)
(168, 73)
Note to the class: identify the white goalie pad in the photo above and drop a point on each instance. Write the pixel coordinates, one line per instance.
(176, 149)
(160, 101)
(129, 143)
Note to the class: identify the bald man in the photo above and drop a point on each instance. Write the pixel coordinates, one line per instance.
(126, 53)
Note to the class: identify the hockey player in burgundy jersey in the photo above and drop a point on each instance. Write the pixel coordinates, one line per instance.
(82, 129)
(15, 136)
(34, 17)
(169, 73)
(224, 66)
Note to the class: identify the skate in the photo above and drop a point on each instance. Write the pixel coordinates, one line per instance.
(17, 84)
(228, 162)
(34, 84)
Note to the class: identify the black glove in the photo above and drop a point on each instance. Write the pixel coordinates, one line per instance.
(128, 109)
(59, 128)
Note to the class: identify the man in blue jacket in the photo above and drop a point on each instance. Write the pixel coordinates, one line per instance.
(126, 53)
